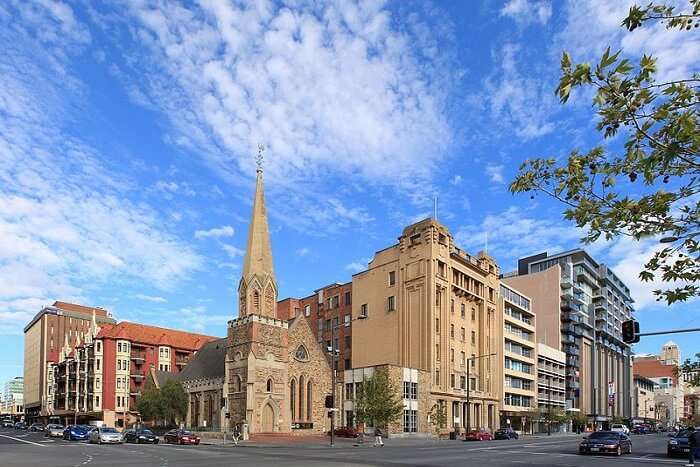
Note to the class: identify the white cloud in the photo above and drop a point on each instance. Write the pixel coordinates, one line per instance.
(456, 180)
(526, 12)
(232, 251)
(357, 266)
(216, 232)
(170, 188)
(150, 298)
(303, 251)
(67, 223)
(495, 173)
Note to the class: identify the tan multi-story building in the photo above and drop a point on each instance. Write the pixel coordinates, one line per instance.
(44, 338)
(519, 405)
(431, 313)
(551, 384)
(643, 403)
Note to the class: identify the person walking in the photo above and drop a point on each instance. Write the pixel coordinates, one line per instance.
(693, 445)
(236, 433)
(378, 437)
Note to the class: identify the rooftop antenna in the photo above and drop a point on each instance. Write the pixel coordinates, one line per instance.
(259, 158)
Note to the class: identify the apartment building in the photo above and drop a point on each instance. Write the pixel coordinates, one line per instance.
(519, 404)
(551, 384)
(101, 377)
(44, 337)
(643, 400)
(431, 314)
(12, 401)
(581, 305)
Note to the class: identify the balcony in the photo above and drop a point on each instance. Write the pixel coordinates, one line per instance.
(138, 357)
(135, 393)
(137, 376)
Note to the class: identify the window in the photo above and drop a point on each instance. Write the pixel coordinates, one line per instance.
(473, 337)
(97, 401)
(346, 320)
(348, 298)
(309, 400)
(452, 380)
(452, 355)
(348, 342)
(349, 393)
(335, 322)
(462, 334)
(98, 346)
(335, 301)
(473, 314)
(437, 325)
(410, 390)
(463, 358)
(293, 398)
(452, 305)
(391, 303)
(437, 376)
(307, 310)
(119, 364)
(452, 331)
(410, 418)
(392, 277)
(463, 382)
(269, 385)
(363, 310)
(301, 353)
(97, 364)
(347, 364)
(328, 325)
(463, 310)
(119, 383)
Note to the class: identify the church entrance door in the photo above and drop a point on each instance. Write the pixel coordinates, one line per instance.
(268, 416)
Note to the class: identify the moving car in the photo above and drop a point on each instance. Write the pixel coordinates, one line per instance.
(478, 435)
(181, 437)
(620, 428)
(106, 434)
(505, 433)
(678, 444)
(20, 426)
(603, 442)
(75, 433)
(37, 427)
(54, 430)
(640, 430)
(140, 436)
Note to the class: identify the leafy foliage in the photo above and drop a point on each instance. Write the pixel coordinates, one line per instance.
(659, 162)
(169, 403)
(377, 401)
(438, 416)
(554, 416)
(691, 367)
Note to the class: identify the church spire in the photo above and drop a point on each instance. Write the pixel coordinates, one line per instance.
(258, 285)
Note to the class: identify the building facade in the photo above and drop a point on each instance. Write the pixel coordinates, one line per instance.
(643, 400)
(551, 385)
(44, 338)
(12, 402)
(581, 305)
(431, 311)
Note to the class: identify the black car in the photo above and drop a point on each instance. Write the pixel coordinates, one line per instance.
(140, 436)
(36, 427)
(606, 442)
(505, 433)
(678, 444)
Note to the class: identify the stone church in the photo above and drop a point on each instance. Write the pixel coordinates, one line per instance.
(276, 375)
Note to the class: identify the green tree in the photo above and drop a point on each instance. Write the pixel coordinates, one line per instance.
(553, 416)
(649, 187)
(149, 404)
(691, 368)
(174, 402)
(579, 420)
(438, 416)
(377, 401)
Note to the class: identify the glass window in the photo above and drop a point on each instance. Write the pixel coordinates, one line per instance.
(392, 277)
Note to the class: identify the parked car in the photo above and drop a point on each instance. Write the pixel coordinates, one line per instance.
(610, 442)
(678, 444)
(140, 436)
(181, 437)
(620, 428)
(8, 424)
(344, 432)
(505, 433)
(37, 427)
(75, 433)
(478, 435)
(105, 435)
(20, 426)
(54, 430)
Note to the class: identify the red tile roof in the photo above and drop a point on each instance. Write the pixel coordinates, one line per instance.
(154, 335)
(652, 367)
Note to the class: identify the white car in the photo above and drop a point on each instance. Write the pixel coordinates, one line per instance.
(105, 435)
(620, 428)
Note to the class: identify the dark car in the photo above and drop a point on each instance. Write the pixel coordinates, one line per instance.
(181, 437)
(20, 426)
(505, 433)
(640, 429)
(37, 427)
(478, 435)
(344, 432)
(606, 442)
(140, 436)
(678, 444)
(76, 433)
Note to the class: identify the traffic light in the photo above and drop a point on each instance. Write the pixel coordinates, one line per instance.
(630, 331)
(329, 402)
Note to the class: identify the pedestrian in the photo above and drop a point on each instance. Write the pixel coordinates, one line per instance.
(236, 433)
(378, 437)
(693, 445)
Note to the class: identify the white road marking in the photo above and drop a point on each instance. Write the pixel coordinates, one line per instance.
(23, 440)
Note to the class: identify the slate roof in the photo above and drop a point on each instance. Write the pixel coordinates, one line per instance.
(209, 362)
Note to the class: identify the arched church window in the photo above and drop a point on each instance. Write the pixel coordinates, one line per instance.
(293, 398)
(256, 301)
(301, 353)
(309, 401)
(269, 385)
(301, 397)
(237, 383)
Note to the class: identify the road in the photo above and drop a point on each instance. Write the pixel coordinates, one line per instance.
(19, 448)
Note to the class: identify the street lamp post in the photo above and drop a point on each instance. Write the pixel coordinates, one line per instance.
(334, 365)
(549, 405)
(469, 364)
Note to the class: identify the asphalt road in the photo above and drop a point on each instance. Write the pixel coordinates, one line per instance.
(32, 449)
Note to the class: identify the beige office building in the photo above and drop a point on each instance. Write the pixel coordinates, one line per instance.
(433, 316)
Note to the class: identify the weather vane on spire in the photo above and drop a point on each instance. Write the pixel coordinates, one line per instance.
(259, 157)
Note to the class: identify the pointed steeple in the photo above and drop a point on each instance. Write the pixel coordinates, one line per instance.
(258, 288)
(258, 255)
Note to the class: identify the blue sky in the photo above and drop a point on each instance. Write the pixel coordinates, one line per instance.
(128, 134)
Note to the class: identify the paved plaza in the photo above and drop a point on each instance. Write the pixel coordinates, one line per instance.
(32, 449)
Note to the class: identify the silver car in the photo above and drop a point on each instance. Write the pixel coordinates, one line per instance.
(54, 430)
(106, 435)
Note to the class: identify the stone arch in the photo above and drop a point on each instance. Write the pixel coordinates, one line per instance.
(269, 416)
(237, 384)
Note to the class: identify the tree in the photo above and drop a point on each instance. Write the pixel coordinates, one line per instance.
(149, 404)
(691, 368)
(167, 404)
(554, 416)
(578, 420)
(438, 416)
(648, 188)
(377, 402)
